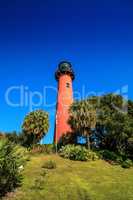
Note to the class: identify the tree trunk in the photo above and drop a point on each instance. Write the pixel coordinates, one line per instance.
(88, 142)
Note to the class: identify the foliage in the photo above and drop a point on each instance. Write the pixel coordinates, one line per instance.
(16, 138)
(108, 155)
(80, 153)
(129, 147)
(127, 163)
(13, 137)
(130, 108)
(35, 126)
(22, 154)
(50, 164)
(42, 148)
(67, 138)
(82, 119)
(114, 124)
(9, 167)
(38, 184)
(114, 158)
(25, 139)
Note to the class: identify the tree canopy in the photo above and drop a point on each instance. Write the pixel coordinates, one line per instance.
(82, 119)
(111, 116)
(114, 121)
(36, 125)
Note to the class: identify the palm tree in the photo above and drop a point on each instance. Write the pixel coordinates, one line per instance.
(82, 119)
(36, 125)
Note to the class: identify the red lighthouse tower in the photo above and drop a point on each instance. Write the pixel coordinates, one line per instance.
(64, 75)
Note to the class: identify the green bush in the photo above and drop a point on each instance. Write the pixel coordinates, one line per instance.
(38, 184)
(22, 154)
(50, 164)
(108, 155)
(12, 137)
(10, 176)
(127, 163)
(80, 153)
(114, 158)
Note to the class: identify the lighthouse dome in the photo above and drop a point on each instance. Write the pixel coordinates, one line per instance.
(64, 67)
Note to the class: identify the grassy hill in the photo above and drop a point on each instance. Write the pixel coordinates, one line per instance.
(74, 180)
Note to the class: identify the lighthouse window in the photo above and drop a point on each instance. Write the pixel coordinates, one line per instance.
(67, 85)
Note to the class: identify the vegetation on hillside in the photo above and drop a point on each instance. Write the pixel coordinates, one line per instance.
(10, 161)
(74, 181)
(113, 126)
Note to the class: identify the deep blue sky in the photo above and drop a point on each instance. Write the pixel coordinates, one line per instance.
(96, 36)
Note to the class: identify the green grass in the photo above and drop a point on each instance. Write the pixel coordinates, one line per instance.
(73, 180)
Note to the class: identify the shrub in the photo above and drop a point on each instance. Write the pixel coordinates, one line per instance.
(108, 155)
(22, 154)
(13, 137)
(9, 167)
(114, 158)
(44, 148)
(130, 147)
(73, 152)
(49, 164)
(67, 138)
(38, 184)
(127, 163)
